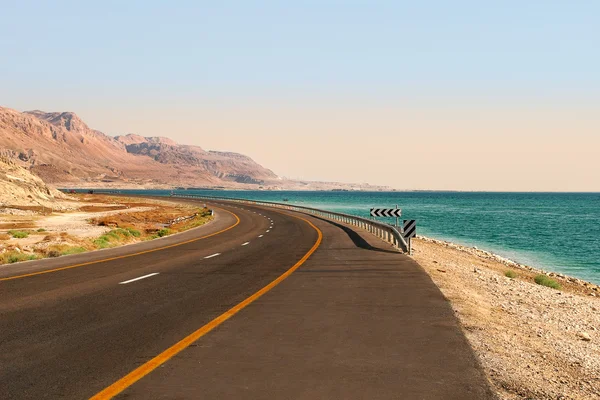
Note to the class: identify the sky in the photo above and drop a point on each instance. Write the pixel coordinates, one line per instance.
(443, 95)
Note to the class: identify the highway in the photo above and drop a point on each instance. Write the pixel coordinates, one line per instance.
(258, 304)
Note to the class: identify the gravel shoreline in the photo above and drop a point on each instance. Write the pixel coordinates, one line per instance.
(534, 342)
(564, 279)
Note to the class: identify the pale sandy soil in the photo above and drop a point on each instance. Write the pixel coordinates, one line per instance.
(90, 222)
(534, 342)
(77, 223)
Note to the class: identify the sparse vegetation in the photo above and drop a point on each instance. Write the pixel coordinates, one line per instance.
(18, 234)
(163, 232)
(73, 250)
(115, 237)
(545, 280)
(154, 222)
(134, 232)
(510, 274)
(53, 253)
(11, 257)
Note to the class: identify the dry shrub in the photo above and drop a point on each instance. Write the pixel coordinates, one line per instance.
(4, 236)
(140, 219)
(53, 253)
(10, 257)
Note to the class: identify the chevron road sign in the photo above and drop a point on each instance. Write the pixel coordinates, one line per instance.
(386, 212)
(409, 231)
(410, 228)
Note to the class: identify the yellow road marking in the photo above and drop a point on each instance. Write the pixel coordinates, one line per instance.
(126, 255)
(145, 369)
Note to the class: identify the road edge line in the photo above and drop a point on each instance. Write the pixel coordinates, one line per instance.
(149, 366)
(10, 278)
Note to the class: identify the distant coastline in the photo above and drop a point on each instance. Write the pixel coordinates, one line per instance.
(523, 227)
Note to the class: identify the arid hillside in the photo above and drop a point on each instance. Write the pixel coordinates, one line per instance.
(64, 151)
(20, 187)
(230, 167)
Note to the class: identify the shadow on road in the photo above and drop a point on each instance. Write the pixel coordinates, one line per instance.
(355, 237)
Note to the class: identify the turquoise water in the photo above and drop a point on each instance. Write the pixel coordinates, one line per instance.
(554, 231)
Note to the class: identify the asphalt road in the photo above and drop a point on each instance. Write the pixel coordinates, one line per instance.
(356, 320)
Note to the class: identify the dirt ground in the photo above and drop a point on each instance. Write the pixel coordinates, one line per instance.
(533, 341)
(90, 222)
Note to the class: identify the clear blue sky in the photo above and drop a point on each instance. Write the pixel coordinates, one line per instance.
(281, 45)
(111, 60)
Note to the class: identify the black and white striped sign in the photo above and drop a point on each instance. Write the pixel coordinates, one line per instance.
(386, 212)
(410, 228)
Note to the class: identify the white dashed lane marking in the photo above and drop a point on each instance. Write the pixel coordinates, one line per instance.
(213, 255)
(137, 279)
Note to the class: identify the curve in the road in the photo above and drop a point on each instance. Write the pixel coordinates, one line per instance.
(363, 320)
(146, 368)
(72, 333)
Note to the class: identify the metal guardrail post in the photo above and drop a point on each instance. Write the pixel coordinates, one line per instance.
(381, 230)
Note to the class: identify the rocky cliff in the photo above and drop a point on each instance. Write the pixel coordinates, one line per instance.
(223, 165)
(63, 150)
(20, 187)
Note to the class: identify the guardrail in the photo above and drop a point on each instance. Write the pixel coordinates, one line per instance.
(90, 191)
(383, 231)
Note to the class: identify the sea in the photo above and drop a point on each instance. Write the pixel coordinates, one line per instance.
(557, 232)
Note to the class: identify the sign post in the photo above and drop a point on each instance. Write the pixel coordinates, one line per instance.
(409, 231)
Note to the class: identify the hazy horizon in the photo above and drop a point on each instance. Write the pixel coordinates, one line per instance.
(462, 96)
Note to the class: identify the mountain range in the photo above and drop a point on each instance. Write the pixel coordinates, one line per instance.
(64, 151)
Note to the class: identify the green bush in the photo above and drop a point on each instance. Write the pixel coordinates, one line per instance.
(41, 230)
(18, 257)
(545, 280)
(510, 274)
(164, 232)
(102, 242)
(73, 250)
(114, 236)
(18, 234)
(134, 232)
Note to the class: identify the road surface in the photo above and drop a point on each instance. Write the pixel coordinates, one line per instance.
(258, 304)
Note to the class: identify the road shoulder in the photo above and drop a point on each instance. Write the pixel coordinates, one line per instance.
(358, 320)
(222, 221)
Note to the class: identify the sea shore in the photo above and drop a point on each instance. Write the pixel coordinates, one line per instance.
(534, 341)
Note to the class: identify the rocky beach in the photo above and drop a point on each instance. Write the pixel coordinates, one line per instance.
(534, 341)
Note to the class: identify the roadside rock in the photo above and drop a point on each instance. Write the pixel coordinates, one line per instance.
(584, 336)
